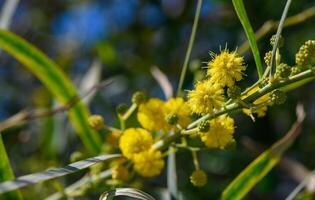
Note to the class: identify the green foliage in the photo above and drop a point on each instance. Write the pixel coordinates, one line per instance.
(6, 173)
(241, 13)
(55, 80)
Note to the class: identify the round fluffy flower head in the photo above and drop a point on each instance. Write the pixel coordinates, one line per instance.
(150, 115)
(226, 68)
(135, 140)
(148, 163)
(220, 132)
(261, 112)
(205, 97)
(180, 108)
(198, 178)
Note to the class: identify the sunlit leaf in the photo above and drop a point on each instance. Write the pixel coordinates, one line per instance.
(241, 13)
(259, 168)
(6, 173)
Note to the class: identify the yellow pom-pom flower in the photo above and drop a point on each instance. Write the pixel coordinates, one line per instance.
(148, 163)
(96, 122)
(261, 112)
(226, 68)
(135, 140)
(180, 108)
(150, 115)
(205, 97)
(198, 178)
(220, 132)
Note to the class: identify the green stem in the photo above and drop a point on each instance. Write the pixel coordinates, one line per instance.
(195, 160)
(129, 112)
(275, 46)
(190, 45)
(236, 106)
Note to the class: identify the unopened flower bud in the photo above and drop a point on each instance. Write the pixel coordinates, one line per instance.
(139, 98)
(278, 97)
(283, 71)
(204, 126)
(306, 54)
(96, 122)
(121, 108)
(273, 40)
(120, 173)
(234, 92)
(171, 118)
(198, 178)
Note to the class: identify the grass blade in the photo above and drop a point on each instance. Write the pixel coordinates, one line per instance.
(6, 173)
(38, 177)
(241, 13)
(253, 173)
(128, 192)
(55, 80)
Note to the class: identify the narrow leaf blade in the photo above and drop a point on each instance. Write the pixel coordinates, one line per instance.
(6, 173)
(254, 172)
(128, 192)
(241, 13)
(38, 177)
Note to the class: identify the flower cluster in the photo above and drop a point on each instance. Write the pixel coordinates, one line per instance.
(209, 101)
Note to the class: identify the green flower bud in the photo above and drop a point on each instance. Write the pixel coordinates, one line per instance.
(306, 55)
(278, 97)
(273, 40)
(204, 126)
(295, 71)
(121, 108)
(171, 119)
(267, 57)
(283, 71)
(234, 92)
(263, 83)
(139, 98)
(198, 178)
(96, 122)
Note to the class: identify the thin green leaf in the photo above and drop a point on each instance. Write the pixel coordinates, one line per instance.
(55, 80)
(128, 192)
(241, 13)
(38, 177)
(253, 173)
(6, 173)
(278, 34)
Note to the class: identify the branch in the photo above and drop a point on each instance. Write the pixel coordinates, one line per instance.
(25, 116)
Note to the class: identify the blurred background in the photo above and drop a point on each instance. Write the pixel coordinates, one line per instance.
(101, 39)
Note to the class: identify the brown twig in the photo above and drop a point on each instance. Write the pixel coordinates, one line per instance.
(271, 25)
(26, 115)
